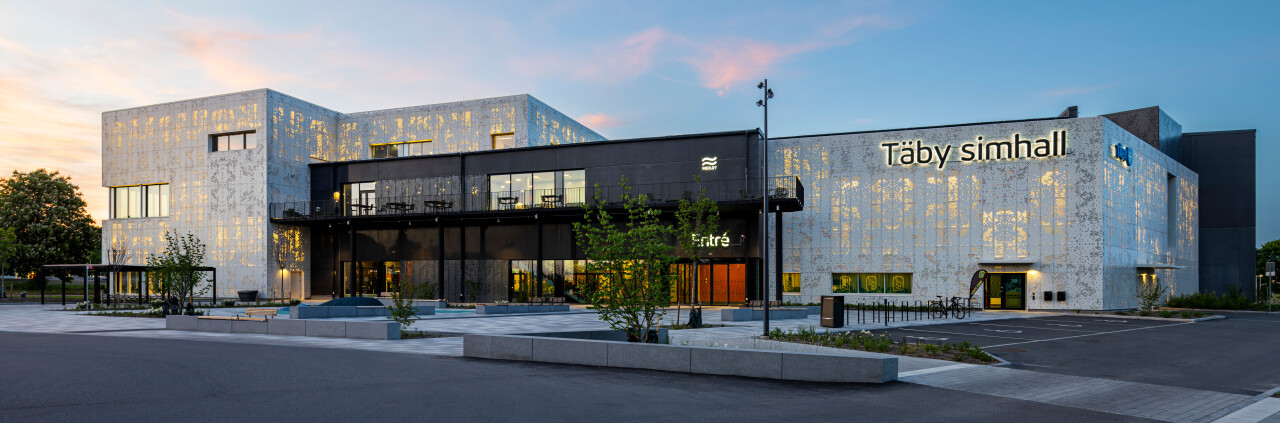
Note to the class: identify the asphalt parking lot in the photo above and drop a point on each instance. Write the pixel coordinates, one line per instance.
(1235, 355)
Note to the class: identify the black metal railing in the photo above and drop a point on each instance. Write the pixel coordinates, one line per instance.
(786, 188)
(886, 311)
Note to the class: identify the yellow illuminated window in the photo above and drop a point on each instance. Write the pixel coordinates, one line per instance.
(501, 141)
(791, 283)
(401, 149)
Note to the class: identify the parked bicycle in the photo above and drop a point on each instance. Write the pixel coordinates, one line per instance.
(939, 308)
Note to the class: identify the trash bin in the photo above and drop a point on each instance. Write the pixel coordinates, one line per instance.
(248, 296)
(832, 311)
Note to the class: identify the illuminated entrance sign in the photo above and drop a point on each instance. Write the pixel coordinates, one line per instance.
(711, 240)
(980, 149)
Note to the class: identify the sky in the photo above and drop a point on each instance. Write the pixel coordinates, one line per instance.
(634, 69)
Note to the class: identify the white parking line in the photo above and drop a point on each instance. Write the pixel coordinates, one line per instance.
(960, 333)
(1031, 327)
(1088, 334)
(1088, 322)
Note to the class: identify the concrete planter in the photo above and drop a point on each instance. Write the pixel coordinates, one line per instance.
(290, 327)
(328, 312)
(685, 359)
(748, 314)
(520, 308)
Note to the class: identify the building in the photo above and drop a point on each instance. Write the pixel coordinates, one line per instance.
(477, 199)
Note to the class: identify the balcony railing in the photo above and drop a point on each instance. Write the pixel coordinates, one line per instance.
(787, 188)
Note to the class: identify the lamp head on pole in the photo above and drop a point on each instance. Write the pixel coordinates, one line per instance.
(759, 103)
(760, 85)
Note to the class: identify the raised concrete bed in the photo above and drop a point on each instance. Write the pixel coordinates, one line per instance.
(749, 314)
(328, 312)
(433, 303)
(319, 328)
(678, 358)
(519, 308)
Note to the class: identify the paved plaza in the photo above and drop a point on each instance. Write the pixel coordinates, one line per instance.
(1019, 336)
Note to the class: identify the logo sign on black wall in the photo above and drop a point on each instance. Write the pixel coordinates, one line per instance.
(709, 163)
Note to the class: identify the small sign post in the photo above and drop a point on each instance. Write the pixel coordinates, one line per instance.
(1271, 275)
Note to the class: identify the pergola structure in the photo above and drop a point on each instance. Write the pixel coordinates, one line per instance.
(98, 269)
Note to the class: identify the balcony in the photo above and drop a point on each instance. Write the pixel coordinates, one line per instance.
(786, 193)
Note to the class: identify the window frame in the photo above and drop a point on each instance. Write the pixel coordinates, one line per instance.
(880, 279)
(216, 141)
(123, 204)
(493, 140)
(424, 147)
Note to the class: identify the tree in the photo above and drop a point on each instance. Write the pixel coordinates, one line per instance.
(8, 245)
(117, 256)
(632, 260)
(47, 213)
(697, 221)
(1270, 251)
(176, 270)
(285, 249)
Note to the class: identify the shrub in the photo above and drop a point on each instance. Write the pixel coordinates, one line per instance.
(228, 303)
(1166, 314)
(1232, 300)
(295, 302)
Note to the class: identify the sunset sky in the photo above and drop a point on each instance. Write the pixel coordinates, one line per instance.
(630, 69)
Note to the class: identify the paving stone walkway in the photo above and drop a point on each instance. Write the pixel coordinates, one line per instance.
(1158, 402)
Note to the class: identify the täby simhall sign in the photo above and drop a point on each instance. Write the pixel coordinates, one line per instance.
(1016, 147)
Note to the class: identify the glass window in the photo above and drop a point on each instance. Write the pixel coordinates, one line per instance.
(153, 200)
(501, 141)
(844, 283)
(360, 198)
(250, 140)
(164, 200)
(790, 283)
(121, 198)
(872, 283)
(521, 183)
(898, 283)
(393, 150)
(426, 148)
(499, 188)
(224, 143)
(379, 151)
(135, 201)
(544, 189)
(575, 184)
(228, 142)
(411, 149)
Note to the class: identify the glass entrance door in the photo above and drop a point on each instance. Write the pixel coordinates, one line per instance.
(722, 284)
(1005, 291)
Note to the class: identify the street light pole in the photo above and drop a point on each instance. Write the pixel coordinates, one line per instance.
(766, 94)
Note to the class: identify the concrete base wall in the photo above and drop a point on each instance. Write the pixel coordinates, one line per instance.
(748, 314)
(520, 308)
(675, 358)
(290, 327)
(328, 312)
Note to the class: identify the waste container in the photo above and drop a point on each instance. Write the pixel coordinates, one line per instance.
(832, 311)
(248, 296)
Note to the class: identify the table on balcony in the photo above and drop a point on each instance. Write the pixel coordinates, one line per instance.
(399, 207)
(507, 203)
(361, 209)
(437, 204)
(552, 200)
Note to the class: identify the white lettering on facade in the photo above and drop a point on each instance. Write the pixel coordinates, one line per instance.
(915, 152)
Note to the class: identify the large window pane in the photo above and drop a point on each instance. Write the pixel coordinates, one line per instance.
(121, 198)
(544, 189)
(504, 141)
(224, 143)
(575, 183)
(844, 283)
(521, 183)
(393, 150)
(135, 201)
(871, 283)
(411, 149)
(164, 200)
(898, 283)
(379, 151)
(250, 140)
(791, 283)
(427, 148)
(499, 187)
(153, 200)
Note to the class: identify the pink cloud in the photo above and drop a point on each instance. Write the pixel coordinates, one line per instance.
(727, 64)
(599, 120)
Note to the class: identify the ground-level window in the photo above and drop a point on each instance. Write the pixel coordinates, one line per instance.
(137, 201)
(790, 283)
(560, 278)
(871, 283)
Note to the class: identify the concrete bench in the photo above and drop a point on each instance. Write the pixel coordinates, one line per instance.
(380, 330)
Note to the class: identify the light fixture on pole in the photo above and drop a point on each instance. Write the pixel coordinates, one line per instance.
(766, 94)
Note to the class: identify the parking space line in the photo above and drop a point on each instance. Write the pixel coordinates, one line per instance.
(1088, 334)
(961, 333)
(1031, 327)
(1088, 322)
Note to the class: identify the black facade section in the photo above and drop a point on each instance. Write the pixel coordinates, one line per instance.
(1154, 127)
(482, 238)
(1228, 211)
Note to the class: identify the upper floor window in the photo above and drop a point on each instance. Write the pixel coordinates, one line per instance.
(233, 141)
(360, 198)
(401, 149)
(541, 189)
(501, 141)
(129, 202)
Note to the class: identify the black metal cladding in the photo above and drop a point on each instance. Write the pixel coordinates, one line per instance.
(668, 168)
(1224, 162)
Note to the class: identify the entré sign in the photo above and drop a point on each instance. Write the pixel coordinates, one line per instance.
(980, 149)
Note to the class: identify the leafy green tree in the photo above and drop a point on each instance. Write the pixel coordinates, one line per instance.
(176, 270)
(8, 245)
(632, 258)
(47, 214)
(1270, 251)
(696, 222)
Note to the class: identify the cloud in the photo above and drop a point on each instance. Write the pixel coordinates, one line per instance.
(609, 62)
(599, 120)
(729, 63)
